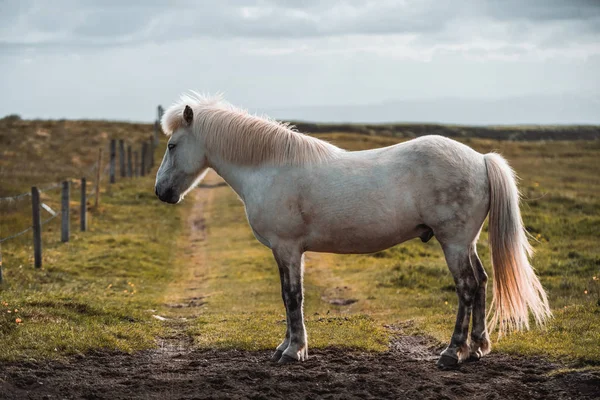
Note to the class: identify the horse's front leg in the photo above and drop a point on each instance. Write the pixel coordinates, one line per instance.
(291, 269)
(286, 342)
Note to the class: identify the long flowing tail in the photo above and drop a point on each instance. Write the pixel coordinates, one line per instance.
(516, 287)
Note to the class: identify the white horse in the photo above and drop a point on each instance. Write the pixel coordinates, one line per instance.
(304, 194)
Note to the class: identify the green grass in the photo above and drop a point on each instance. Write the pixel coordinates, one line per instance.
(96, 291)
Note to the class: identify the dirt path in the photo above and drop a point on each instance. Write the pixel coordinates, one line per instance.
(186, 296)
(188, 292)
(174, 370)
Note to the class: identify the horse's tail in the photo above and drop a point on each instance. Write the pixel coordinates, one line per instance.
(516, 287)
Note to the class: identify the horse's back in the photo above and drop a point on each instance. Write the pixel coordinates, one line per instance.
(427, 165)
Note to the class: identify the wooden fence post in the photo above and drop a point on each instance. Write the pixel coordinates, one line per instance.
(160, 112)
(129, 166)
(151, 148)
(64, 231)
(113, 151)
(37, 227)
(136, 170)
(156, 128)
(1, 277)
(144, 151)
(122, 158)
(98, 176)
(83, 213)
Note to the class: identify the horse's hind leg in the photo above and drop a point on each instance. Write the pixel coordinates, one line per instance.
(480, 340)
(290, 262)
(459, 262)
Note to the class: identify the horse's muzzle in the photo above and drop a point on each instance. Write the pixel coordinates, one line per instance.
(168, 196)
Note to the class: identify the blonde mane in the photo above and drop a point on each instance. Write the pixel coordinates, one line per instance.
(242, 138)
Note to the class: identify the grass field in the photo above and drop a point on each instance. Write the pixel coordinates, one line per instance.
(96, 291)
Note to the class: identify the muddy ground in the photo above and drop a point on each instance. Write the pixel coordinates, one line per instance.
(407, 371)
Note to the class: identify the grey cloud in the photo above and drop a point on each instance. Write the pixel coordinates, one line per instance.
(114, 22)
(228, 19)
(84, 26)
(546, 10)
(107, 23)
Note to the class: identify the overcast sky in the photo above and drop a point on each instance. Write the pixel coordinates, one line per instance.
(119, 59)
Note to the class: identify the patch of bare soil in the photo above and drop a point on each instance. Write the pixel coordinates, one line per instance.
(176, 371)
(407, 371)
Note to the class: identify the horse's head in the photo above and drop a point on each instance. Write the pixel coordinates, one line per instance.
(184, 160)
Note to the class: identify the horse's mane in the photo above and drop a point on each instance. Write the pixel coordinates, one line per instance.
(242, 138)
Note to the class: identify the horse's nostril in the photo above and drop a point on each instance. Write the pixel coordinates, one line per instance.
(167, 195)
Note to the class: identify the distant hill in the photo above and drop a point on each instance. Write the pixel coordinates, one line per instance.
(523, 132)
(528, 110)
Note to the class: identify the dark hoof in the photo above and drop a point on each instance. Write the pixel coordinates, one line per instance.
(276, 356)
(447, 362)
(285, 359)
(473, 357)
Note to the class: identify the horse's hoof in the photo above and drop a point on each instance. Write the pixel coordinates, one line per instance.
(447, 362)
(474, 357)
(285, 359)
(276, 356)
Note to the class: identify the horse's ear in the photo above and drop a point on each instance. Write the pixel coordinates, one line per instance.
(188, 115)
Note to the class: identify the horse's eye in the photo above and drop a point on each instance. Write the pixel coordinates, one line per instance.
(171, 146)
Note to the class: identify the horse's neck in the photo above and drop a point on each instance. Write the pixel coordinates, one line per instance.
(242, 179)
(245, 178)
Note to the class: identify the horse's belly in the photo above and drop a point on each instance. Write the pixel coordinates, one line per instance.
(359, 239)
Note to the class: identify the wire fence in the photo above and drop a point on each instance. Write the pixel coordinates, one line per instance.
(53, 214)
(130, 165)
(14, 199)
(16, 235)
(45, 189)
